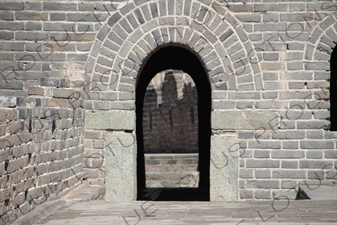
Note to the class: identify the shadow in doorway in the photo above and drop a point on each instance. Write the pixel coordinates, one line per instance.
(179, 58)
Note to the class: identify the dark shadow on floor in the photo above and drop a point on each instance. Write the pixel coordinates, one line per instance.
(174, 194)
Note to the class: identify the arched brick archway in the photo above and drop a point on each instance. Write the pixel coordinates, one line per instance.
(177, 57)
(122, 46)
(321, 58)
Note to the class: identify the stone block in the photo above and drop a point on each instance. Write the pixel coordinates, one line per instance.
(120, 164)
(36, 91)
(243, 120)
(115, 120)
(223, 169)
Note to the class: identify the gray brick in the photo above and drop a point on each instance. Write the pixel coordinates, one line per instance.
(31, 16)
(249, 17)
(316, 175)
(262, 174)
(244, 105)
(287, 154)
(314, 154)
(58, 16)
(4, 35)
(223, 105)
(257, 163)
(246, 194)
(288, 184)
(290, 144)
(77, 57)
(114, 18)
(58, 57)
(122, 105)
(270, 17)
(126, 96)
(54, 26)
(290, 174)
(84, 17)
(262, 194)
(270, 56)
(270, 27)
(313, 124)
(315, 134)
(248, 95)
(267, 184)
(270, 76)
(16, 6)
(33, 26)
(7, 57)
(246, 173)
(261, 154)
(83, 46)
(17, 46)
(36, 6)
(330, 154)
(264, 144)
(316, 66)
(315, 164)
(58, 6)
(7, 16)
(31, 36)
(319, 144)
(321, 114)
(270, 7)
(289, 164)
(288, 135)
(269, 105)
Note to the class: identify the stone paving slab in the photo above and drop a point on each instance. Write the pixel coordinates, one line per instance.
(159, 213)
(79, 207)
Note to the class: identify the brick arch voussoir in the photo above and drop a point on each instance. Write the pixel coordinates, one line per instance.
(102, 53)
(322, 40)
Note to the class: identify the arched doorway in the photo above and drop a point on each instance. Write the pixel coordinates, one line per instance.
(176, 57)
(333, 90)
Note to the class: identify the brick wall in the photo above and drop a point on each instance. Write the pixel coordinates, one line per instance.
(273, 56)
(170, 119)
(41, 146)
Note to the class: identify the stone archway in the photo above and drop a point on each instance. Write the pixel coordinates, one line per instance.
(174, 56)
(321, 56)
(122, 46)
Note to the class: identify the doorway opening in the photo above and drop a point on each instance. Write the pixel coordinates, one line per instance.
(170, 125)
(163, 125)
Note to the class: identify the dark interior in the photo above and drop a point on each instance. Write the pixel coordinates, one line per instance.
(333, 90)
(180, 58)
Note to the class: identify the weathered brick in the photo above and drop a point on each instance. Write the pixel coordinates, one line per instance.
(4, 35)
(6, 15)
(16, 6)
(287, 154)
(262, 174)
(316, 164)
(267, 184)
(290, 174)
(31, 36)
(31, 16)
(254, 163)
(57, 6)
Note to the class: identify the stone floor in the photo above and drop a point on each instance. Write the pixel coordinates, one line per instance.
(169, 213)
(79, 209)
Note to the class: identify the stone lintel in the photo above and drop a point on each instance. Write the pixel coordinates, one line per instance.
(114, 120)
